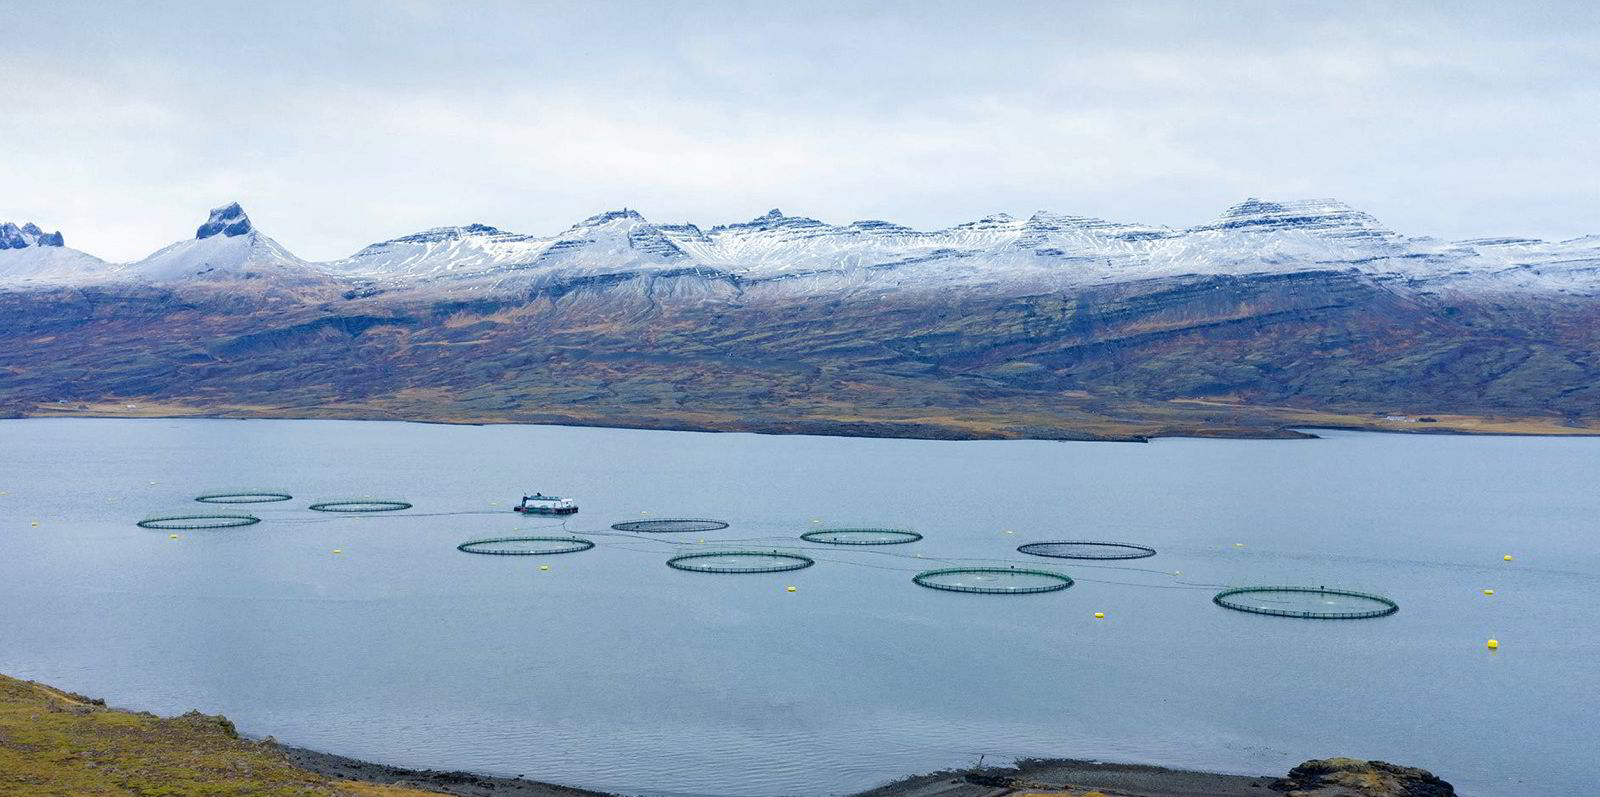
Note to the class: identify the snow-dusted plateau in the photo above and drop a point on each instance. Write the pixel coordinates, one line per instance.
(1274, 315)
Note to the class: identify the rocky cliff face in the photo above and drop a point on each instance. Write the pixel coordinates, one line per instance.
(228, 220)
(29, 234)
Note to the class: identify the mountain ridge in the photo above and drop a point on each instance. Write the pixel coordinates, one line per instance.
(1254, 236)
(1277, 315)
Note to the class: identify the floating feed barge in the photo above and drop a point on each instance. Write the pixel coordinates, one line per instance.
(541, 504)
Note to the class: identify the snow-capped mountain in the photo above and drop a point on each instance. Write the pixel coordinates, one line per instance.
(226, 247)
(442, 252)
(797, 255)
(996, 252)
(614, 241)
(31, 257)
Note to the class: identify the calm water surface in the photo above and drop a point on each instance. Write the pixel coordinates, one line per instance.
(612, 671)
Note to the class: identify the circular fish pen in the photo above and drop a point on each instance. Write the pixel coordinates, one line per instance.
(1086, 549)
(993, 580)
(193, 522)
(525, 546)
(861, 536)
(363, 505)
(740, 562)
(670, 525)
(244, 497)
(1311, 603)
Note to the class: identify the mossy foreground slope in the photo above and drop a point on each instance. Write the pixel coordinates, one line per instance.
(54, 744)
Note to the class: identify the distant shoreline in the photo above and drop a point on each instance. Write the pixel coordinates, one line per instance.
(879, 429)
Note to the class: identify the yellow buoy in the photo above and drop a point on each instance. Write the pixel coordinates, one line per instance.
(544, 567)
(1238, 545)
(1494, 644)
(788, 589)
(1488, 592)
(338, 550)
(35, 522)
(1099, 615)
(1507, 557)
(172, 536)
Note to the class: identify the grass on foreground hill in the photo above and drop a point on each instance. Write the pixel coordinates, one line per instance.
(55, 744)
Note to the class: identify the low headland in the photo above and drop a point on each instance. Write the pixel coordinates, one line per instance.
(55, 743)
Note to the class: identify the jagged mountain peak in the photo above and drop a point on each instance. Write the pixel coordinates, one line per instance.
(29, 234)
(229, 220)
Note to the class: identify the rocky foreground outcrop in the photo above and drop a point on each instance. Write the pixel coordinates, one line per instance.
(1350, 777)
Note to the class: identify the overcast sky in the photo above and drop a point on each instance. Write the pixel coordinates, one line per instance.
(340, 124)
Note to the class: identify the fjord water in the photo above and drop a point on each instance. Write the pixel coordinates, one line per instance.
(612, 671)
